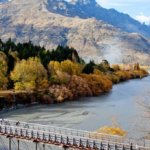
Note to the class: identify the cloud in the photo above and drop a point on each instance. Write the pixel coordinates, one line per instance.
(143, 18)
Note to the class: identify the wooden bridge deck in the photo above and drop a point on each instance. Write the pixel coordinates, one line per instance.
(67, 138)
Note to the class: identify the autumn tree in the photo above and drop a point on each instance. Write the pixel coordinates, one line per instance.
(56, 75)
(136, 66)
(61, 72)
(53, 66)
(3, 71)
(29, 74)
(71, 68)
(116, 67)
(79, 87)
(98, 83)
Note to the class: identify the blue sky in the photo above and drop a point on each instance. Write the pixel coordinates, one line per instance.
(138, 9)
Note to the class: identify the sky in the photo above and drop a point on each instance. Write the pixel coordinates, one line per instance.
(138, 9)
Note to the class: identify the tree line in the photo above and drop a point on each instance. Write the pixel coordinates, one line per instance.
(61, 71)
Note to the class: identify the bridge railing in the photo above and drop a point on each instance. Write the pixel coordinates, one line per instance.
(70, 140)
(73, 132)
(68, 131)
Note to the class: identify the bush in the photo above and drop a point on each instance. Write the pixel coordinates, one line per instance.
(79, 87)
(112, 131)
(97, 83)
(114, 78)
(123, 75)
(60, 93)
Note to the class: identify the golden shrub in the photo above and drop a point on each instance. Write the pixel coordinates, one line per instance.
(97, 83)
(112, 131)
(115, 67)
(66, 66)
(60, 93)
(123, 75)
(79, 87)
(114, 78)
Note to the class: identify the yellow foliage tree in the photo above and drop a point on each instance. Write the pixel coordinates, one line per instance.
(115, 67)
(61, 72)
(67, 66)
(71, 68)
(3, 71)
(29, 75)
(53, 67)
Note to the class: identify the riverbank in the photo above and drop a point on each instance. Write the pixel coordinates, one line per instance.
(121, 104)
(31, 74)
(79, 86)
(11, 99)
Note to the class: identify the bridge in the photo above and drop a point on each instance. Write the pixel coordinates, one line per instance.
(65, 137)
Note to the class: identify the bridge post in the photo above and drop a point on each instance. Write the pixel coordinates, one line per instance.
(43, 136)
(43, 146)
(31, 134)
(101, 146)
(49, 138)
(131, 147)
(123, 148)
(36, 146)
(55, 140)
(61, 140)
(18, 144)
(67, 140)
(94, 145)
(10, 143)
(108, 147)
(21, 133)
(80, 143)
(87, 144)
(74, 142)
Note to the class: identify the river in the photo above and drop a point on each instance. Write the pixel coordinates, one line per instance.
(121, 105)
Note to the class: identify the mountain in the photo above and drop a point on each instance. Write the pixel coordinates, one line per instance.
(24, 20)
(4, 1)
(90, 8)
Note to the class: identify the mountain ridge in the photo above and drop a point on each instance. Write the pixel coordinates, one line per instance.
(90, 8)
(93, 39)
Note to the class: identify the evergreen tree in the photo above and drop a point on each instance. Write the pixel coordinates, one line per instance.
(89, 68)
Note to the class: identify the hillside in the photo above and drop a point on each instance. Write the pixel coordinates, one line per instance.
(24, 20)
(90, 8)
